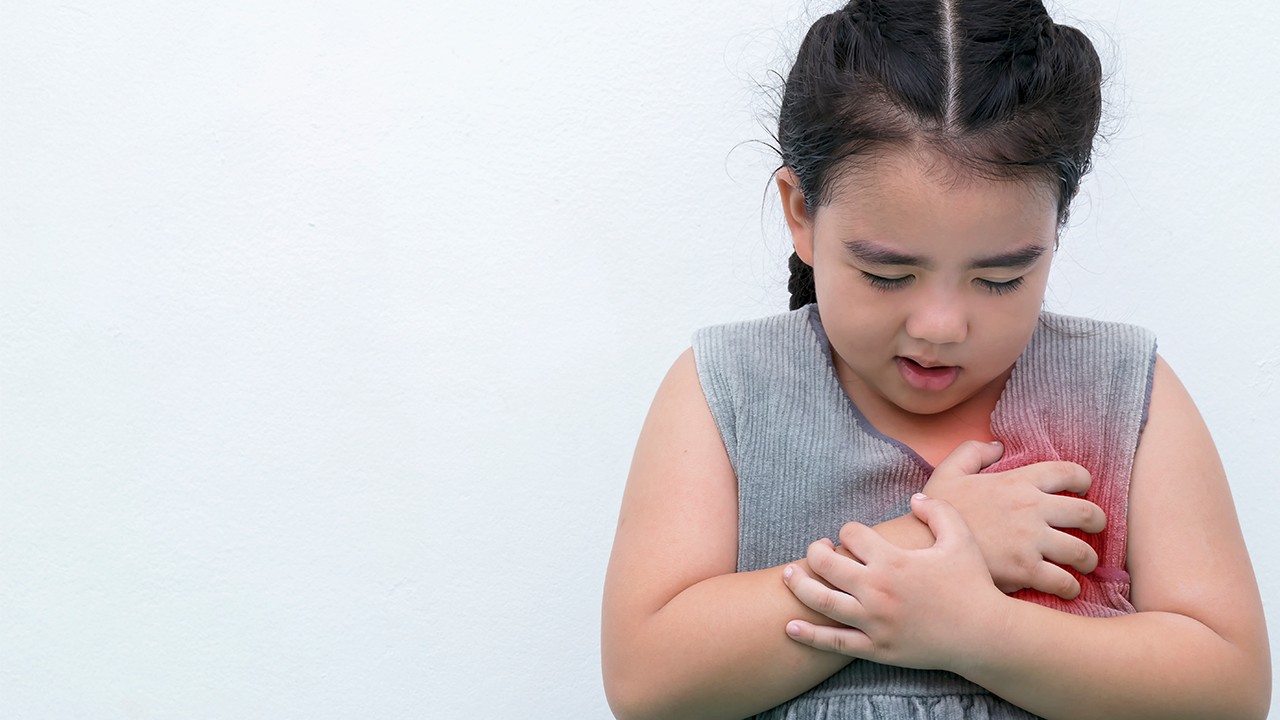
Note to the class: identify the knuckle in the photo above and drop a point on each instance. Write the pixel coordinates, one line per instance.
(1008, 586)
(1065, 586)
(1090, 561)
(1088, 515)
(1022, 502)
(1072, 590)
(818, 557)
(1099, 519)
(825, 602)
(849, 533)
(896, 564)
(1025, 562)
(1083, 555)
(840, 643)
(1065, 470)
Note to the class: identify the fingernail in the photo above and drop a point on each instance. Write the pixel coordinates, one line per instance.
(793, 629)
(919, 496)
(788, 572)
(996, 443)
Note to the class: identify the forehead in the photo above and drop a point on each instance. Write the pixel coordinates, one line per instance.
(914, 191)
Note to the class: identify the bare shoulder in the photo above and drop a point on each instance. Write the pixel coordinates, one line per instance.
(1186, 552)
(678, 522)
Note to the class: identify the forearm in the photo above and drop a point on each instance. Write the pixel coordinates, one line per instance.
(717, 650)
(906, 532)
(1144, 665)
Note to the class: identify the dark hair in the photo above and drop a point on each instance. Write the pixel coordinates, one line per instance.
(994, 85)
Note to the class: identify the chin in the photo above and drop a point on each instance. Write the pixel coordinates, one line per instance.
(928, 405)
(922, 403)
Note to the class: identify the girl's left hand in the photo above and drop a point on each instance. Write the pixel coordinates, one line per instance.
(924, 609)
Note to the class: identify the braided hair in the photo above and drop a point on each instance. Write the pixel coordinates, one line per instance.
(994, 85)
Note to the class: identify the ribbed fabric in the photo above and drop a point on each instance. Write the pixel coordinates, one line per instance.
(807, 462)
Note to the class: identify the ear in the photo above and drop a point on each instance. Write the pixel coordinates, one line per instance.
(797, 219)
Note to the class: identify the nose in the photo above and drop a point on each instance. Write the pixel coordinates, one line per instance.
(938, 318)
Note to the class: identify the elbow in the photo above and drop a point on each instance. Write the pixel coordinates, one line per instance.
(634, 685)
(621, 705)
(616, 693)
(634, 692)
(1249, 696)
(1257, 691)
(1254, 706)
(629, 696)
(625, 699)
(1260, 707)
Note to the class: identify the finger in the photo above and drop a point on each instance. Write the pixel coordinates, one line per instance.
(835, 604)
(863, 543)
(846, 641)
(1068, 512)
(1049, 578)
(844, 551)
(1056, 477)
(969, 458)
(840, 550)
(943, 519)
(1064, 549)
(841, 571)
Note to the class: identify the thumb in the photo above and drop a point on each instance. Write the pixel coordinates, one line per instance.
(943, 519)
(969, 458)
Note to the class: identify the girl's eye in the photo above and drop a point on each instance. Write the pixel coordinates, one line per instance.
(884, 283)
(999, 288)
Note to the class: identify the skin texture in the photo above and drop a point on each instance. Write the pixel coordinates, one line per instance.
(947, 313)
(683, 635)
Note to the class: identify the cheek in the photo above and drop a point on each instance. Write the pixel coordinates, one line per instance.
(1011, 333)
(862, 342)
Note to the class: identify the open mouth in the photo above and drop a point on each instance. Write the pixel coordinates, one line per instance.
(930, 379)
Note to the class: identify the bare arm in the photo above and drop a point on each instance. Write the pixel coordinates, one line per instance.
(683, 634)
(1197, 647)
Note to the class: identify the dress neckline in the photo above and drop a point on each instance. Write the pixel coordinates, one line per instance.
(819, 335)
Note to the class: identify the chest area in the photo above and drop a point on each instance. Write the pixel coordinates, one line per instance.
(936, 438)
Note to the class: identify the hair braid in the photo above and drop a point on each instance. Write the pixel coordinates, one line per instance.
(801, 283)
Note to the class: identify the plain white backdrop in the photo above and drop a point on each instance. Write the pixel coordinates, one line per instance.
(327, 329)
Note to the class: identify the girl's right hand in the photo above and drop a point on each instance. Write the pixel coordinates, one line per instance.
(1014, 516)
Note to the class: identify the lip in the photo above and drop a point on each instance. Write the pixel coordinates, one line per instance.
(927, 376)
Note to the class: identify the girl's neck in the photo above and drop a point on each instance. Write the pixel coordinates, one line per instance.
(933, 436)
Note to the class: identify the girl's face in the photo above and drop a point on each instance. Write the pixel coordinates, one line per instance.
(929, 285)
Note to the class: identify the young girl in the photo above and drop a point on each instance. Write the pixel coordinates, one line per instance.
(1030, 514)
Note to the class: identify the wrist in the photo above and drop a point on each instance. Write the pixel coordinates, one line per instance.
(987, 636)
(907, 532)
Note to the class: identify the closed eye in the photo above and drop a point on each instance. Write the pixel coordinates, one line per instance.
(880, 282)
(999, 288)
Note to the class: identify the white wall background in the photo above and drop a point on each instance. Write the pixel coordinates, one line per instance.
(327, 329)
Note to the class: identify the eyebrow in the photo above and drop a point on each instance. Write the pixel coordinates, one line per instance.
(873, 254)
(1020, 258)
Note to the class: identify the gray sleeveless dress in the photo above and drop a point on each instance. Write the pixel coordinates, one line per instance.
(807, 462)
